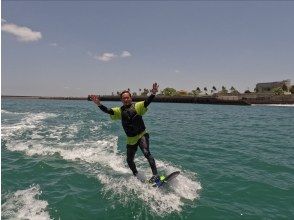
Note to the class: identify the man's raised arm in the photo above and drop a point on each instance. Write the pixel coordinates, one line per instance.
(96, 100)
(153, 93)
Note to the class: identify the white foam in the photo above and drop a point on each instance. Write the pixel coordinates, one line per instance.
(185, 184)
(33, 119)
(24, 204)
(29, 122)
(3, 111)
(159, 201)
(104, 153)
(277, 105)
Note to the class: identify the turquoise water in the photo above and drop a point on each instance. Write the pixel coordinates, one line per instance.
(66, 160)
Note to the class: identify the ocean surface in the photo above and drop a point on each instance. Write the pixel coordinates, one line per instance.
(67, 160)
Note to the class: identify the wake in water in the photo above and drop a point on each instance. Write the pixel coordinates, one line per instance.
(24, 204)
(103, 161)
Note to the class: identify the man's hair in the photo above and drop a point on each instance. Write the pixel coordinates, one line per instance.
(125, 91)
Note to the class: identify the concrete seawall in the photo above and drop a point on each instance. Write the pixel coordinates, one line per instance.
(181, 99)
(221, 100)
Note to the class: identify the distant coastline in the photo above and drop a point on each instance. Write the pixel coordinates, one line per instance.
(242, 99)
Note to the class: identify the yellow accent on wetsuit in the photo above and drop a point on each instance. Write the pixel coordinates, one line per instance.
(141, 110)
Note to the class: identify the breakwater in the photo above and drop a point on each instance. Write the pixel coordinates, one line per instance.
(182, 99)
(169, 99)
(242, 99)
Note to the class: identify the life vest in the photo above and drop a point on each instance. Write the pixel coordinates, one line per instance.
(132, 122)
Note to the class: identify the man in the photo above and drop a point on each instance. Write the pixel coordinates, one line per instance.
(130, 115)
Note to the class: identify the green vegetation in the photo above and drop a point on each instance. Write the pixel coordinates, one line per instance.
(169, 91)
(278, 91)
(224, 90)
(198, 92)
(292, 89)
(285, 88)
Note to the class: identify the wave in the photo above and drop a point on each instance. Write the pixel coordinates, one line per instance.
(114, 174)
(3, 111)
(29, 122)
(278, 105)
(105, 162)
(24, 204)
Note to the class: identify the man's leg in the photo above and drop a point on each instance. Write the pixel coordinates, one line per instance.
(144, 146)
(131, 151)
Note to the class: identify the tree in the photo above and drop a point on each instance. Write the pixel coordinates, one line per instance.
(234, 91)
(198, 90)
(169, 91)
(205, 89)
(278, 91)
(224, 90)
(285, 88)
(145, 92)
(214, 88)
(292, 89)
(195, 92)
(247, 91)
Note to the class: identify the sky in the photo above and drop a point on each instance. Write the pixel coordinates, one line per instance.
(76, 48)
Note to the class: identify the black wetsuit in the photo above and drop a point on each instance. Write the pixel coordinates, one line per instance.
(132, 127)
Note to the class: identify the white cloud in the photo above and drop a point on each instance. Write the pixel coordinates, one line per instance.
(105, 57)
(125, 54)
(23, 34)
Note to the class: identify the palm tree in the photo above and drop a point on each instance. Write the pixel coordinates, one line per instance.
(285, 88)
(205, 89)
(224, 90)
(292, 89)
(214, 88)
(234, 91)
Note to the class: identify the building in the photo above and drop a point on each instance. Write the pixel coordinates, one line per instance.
(182, 93)
(268, 87)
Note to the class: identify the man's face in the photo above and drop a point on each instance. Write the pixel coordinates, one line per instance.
(126, 99)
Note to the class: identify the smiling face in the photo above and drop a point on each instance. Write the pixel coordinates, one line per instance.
(126, 98)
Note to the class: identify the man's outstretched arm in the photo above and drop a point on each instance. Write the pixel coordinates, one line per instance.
(153, 93)
(96, 100)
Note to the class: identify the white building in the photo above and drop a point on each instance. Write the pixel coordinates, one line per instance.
(268, 87)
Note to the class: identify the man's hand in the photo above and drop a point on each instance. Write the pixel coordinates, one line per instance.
(154, 88)
(95, 99)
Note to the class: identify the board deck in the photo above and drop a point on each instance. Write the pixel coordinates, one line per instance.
(164, 180)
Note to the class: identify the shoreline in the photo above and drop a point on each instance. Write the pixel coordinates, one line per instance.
(243, 99)
(166, 99)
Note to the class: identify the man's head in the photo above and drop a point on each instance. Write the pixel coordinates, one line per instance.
(126, 97)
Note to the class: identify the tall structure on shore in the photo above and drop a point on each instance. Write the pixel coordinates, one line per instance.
(269, 86)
